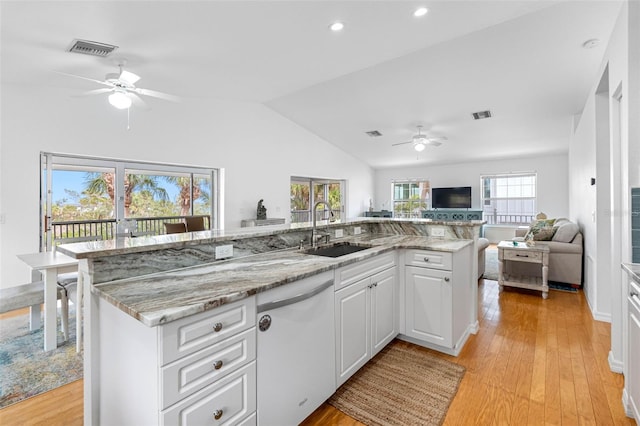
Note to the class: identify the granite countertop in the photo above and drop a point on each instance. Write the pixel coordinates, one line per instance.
(633, 269)
(124, 245)
(159, 298)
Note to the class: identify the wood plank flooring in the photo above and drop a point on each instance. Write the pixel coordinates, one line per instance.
(533, 362)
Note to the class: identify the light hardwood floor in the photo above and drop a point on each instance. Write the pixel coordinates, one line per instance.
(533, 361)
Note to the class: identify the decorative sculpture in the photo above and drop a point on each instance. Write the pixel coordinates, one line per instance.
(262, 211)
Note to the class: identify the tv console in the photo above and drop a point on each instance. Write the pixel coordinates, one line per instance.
(452, 214)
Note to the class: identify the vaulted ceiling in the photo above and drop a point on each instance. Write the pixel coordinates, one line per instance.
(387, 70)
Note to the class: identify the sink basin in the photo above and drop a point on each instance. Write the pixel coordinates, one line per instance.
(337, 249)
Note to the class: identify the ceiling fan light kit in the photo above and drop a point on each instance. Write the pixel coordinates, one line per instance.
(119, 100)
(420, 140)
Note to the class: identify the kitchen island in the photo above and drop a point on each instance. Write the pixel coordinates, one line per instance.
(147, 278)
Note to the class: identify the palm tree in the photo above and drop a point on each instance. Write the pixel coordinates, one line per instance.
(104, 183)
(185, 199)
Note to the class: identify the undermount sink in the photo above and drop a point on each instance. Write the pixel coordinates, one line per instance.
(337, 249)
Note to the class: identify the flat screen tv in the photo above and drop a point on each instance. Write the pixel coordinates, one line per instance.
(451, 198)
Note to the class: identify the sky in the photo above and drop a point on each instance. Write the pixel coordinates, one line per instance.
(75, 181)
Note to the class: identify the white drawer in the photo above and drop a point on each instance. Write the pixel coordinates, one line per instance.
(188, 335)
(192, 373)
(429, 259)
(522, 256)
(350, 274)
(232, 398)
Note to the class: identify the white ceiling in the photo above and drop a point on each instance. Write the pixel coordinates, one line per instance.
(387, 71)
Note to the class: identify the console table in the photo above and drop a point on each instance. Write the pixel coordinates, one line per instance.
(521, 252)
(452, 214)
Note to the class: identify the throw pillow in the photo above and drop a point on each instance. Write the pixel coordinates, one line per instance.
(535, 227)
(544, 234)
(566, 232)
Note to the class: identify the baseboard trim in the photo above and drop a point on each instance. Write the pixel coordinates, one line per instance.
(598, 316)
(615, 365)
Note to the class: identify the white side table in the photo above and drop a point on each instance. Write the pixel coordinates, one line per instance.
(521, 252)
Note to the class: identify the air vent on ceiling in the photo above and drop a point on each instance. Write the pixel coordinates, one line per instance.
(373, 133)
(91, 48)
(481, 114)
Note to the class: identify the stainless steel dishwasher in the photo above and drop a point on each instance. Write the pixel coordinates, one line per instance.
(296, 355)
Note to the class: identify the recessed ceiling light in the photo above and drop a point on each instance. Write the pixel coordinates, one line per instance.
(336, 26)
(590, 44)
(421, 11)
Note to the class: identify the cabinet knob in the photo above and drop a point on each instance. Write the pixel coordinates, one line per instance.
(426, 259)
(217, 327)
(446, 279)
(217, 365)
(217, 414)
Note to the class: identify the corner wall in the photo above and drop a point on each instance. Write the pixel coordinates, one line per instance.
(611, 156)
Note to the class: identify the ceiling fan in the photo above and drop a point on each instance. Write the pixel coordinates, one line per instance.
(123, 91)
(420, 140)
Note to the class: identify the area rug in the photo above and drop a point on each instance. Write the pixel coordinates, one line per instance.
(491, 264)
(26, 369)
(403, 385)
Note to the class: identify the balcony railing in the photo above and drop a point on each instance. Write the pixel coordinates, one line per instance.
(298, 216)
(106, 229)
(493, 218)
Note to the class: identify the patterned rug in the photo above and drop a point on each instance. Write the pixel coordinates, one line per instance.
(491, 264)
(26, 369)
(403, 385)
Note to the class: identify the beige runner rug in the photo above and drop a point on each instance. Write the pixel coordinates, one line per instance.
(403, 385)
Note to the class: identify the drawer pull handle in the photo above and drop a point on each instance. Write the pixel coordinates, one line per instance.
(217, 414)
(446, 279)
(522, 255)
(217, 365)
(426, 259)
(217, 327)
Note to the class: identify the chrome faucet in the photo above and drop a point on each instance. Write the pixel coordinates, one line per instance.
(314, 232)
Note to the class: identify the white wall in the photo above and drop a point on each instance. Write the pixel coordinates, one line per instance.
(259, 150)
(553, 195)
(603, 210)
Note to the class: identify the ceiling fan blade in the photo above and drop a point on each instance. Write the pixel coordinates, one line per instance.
(129, 77)
(104, 83)
(401, 143)
(156, 94)
(93, 92)
(137, 101)
(432, 142)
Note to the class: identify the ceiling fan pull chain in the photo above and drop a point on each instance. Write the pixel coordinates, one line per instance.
(128, 119)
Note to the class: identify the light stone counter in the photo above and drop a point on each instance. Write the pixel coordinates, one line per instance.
(118, 246)
(633, 269)
(167, 296)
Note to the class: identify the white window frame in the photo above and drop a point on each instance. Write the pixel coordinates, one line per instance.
(493, 215)
(422, 201)
(51, 161)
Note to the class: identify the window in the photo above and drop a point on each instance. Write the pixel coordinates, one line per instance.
(303, 190)
(509, 198)
(410, 197)
(84, 197)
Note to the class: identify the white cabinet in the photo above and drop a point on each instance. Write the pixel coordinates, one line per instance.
(632, 378)
(438, 298)
(428, 305)
(196, 370)
(366, 315)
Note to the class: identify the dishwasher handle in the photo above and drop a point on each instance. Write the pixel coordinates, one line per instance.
(295, 299)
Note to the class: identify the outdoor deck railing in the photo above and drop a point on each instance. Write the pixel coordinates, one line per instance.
(299, 216)
(106, 228)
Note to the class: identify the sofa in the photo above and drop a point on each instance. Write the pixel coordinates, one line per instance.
(565, 253)
(482, 244)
